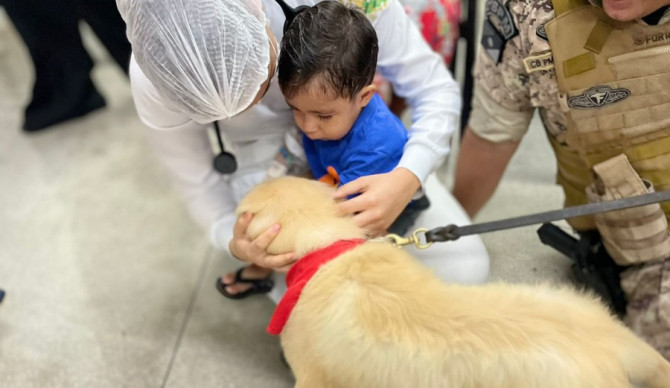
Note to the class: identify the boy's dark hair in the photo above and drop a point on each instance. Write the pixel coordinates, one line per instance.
(329, 40)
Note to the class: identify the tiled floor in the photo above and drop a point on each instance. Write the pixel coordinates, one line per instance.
(110, 284)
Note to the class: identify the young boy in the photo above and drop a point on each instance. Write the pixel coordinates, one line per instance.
(326, 67)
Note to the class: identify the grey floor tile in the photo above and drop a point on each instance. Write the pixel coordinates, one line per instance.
(97, 255)
(98, 260)
(225, 343)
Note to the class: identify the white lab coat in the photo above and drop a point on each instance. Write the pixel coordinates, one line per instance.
(254, 136)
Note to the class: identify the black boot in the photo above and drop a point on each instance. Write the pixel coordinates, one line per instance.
(75, 101)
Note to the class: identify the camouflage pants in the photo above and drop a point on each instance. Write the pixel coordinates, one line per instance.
(647, 288)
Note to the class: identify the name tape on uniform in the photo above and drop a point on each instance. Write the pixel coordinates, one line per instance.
(539, 62)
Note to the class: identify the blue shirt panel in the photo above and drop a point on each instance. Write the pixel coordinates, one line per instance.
(374, 145)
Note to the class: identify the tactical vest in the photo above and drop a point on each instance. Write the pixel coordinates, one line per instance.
(614, 82)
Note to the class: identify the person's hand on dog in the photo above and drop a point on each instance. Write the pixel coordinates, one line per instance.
(382, 198)
(254, 251)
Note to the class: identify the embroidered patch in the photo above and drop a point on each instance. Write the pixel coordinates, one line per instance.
(643, 40)
(598, 96)
(492, 42)
(539, 62)
(541, 32)
(501, 18)
(499, 28)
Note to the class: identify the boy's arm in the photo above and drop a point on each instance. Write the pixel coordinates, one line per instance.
(384, 189)
(377, 200)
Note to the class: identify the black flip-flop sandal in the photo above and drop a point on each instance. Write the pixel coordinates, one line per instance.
(258, 286)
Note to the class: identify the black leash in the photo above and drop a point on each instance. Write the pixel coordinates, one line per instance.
(423, 238)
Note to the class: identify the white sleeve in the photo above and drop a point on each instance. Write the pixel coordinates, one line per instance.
(419, 75)
(184, 148)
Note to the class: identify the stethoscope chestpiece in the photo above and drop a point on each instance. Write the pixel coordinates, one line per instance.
(224, 162)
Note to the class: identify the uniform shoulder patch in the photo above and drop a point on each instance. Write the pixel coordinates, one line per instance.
(499, 28)
(492, 42)
(598, 96)
(501, 18)
(541, 32)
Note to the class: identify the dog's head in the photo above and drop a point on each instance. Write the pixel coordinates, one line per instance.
(304, 208)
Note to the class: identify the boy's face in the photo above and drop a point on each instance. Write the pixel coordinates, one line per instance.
(323, 116)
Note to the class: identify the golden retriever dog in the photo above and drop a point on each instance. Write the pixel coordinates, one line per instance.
(374, 317)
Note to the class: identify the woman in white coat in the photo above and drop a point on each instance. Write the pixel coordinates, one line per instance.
(198, 62)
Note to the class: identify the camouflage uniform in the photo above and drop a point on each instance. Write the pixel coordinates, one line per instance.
(513, 76)
(647, 287)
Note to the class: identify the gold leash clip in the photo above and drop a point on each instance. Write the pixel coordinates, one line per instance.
(414, 238)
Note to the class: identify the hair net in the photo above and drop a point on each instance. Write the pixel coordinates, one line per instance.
(206, 57)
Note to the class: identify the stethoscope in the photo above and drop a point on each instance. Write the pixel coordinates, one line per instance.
(225, 162)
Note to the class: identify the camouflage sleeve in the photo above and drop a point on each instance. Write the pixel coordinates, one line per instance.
(502, 107)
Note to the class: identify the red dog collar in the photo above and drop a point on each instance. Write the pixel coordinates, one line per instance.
(300, 274)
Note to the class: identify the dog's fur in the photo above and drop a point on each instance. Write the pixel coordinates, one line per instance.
(375, 317)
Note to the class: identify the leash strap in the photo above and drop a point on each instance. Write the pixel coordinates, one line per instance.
(423, 238)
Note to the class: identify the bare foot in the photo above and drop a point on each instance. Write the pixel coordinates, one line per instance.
(252, 271)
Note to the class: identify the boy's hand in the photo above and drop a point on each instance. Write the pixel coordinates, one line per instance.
(382, 198)
(254, 251)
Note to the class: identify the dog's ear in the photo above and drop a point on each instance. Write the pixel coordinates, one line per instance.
(304, 208)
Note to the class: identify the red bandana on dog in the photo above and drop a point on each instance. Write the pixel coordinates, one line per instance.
(298, 276)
